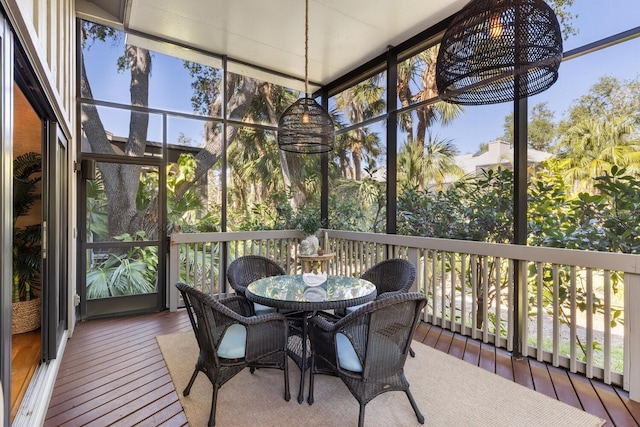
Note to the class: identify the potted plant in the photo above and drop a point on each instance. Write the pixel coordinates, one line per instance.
(308, 221)
(26, 244)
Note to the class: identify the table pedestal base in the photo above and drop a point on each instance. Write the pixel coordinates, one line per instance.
(298, 345)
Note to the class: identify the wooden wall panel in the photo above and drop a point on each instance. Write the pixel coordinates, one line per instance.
(46, 28)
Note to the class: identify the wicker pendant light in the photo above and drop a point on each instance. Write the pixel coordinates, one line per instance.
(305, 127)
(499, 50)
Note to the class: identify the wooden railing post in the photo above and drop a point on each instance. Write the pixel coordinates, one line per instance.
(174, 268)
(632, 335)
(519, 308)
(413, 257)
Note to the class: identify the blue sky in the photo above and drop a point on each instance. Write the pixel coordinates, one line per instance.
(170, 83)
(596, 19)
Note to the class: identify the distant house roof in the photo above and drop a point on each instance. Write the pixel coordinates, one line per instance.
(499, 153)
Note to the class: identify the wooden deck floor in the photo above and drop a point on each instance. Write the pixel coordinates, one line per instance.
(113, 373)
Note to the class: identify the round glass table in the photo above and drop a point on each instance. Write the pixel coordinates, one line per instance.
(302, 295)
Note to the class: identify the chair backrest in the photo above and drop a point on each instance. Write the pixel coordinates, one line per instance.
(391, 275)
(210, 317)
(194, 304)
(381, 332)
(249, 268)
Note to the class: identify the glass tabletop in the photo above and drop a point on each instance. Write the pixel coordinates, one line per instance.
(310, 291)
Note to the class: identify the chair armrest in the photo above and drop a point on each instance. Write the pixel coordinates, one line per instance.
(389, 294)
(267, 337)
(226, 305)
(264, 318)
(328, 326)
(384, 299)
(324, 324)
(237, 303)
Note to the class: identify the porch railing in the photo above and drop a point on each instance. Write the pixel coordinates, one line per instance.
(576, 306)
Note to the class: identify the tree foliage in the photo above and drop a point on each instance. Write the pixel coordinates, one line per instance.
(541, 128)
(475, 208)
(602, 131)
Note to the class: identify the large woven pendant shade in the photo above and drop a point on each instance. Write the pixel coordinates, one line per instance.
(305, 127)
(499, 50)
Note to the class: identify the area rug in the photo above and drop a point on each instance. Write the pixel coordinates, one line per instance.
(449, 392)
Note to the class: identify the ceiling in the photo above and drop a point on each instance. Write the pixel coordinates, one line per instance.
(343, 34)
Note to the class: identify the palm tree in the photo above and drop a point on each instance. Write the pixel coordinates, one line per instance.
(370, 193)
(422, 67)
(420, 169)
(409, 164)
(359, 103)
(592, 146)
(439, 161)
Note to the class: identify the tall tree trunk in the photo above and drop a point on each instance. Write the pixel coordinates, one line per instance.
(356, 154)
(240, 92)
(121, 181)
(481, 305)
(425, 114)
(123, 213)
(298, 197)
(404, 94)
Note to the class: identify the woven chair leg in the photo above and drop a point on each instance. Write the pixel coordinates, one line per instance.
(287, 394)
(313, 366)
(187, 390)
(361, 415)
(415, 407)
(411, 352)
(214, 400)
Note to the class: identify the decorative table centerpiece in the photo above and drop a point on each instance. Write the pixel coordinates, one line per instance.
(308, 221)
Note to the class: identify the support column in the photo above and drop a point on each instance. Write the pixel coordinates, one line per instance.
(631, 381)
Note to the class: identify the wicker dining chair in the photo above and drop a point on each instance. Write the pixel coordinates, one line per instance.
(393, 275)
(368, 348)
(249, 268)
(230, 339)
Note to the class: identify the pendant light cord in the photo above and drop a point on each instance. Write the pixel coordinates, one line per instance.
(306, 49)
(306, 127)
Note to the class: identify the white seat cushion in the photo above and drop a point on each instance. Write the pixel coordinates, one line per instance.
(233, 343)
(262, 309)
(347, 357)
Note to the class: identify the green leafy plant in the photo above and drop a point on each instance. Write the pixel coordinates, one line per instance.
(307, 220)
(27, 170)
(131, 272)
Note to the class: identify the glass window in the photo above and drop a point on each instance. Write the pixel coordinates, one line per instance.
(117, 131)
(172, 84)
(416, 78)
(260, 177)
(363, 101)
(262, 102)
(357, 180)
(191, 134)
(596, 19)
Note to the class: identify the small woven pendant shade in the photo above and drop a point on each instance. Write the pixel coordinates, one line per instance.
(499, 50)
(305, 127)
